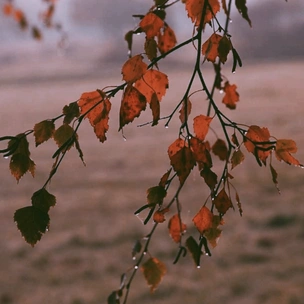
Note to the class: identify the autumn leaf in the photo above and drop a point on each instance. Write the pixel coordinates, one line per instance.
(164, 179)
(203, 219)
(97, 106)
(166, 39)
(36, 33)
(210, 178)
(133, 69)
(20, 164)
(224, 6)
(222, 202)
(159, 215)
(201, 126)
(231, 96)
(155, 107)
(129, 39)
(71, 111)
(185, 110)
(220, 149)
(194, 249)
(20, 18)
(237, 158)
(63, 137)
(212, 235)
(43, 131)
(132, 104)
(243, 10)
(176, 228)
(274, 176)
(151, 25)
(43, 200)
(32, 222)
(7, 9)
(224, 48)
(156, 195)
(153, 270)
(181, 159)
(201, 153)
(210, 47)
(153, 82)
(195, 9)
(150, 48)
(283, 150)
(20, 161)
(255, 139)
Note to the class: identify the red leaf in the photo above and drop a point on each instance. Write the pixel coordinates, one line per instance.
(166, 40)
(133, 69)
(203, 219)
(222, 202)
(151, 25)
(176, 228)
(231, 96)
(132, 103)
(201, 126)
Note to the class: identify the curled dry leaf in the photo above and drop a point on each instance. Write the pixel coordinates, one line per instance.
(283, 150)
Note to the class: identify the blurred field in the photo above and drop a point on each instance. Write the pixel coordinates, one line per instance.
(259, 258)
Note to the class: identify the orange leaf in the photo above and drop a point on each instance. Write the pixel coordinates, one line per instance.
(195, 10)
(222, 202)
(181, 159)
(159, 215)
(201, 126)
(99, 115)
(7, 9)
(164, 179)
(203, 219)
(132, 103)
(151, 25)
(231, 95)
(254, 136)
(166, 40)
(283, 149)
(183, 116)
(176, 228)
(220, 149)
(153, 82)
(153, 270)
(210, 47)
(201, 153)
(133, 69)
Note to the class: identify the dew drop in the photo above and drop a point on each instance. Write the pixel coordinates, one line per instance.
(198, 266)
(145, 252)
(137, 34)
(221, 91)
(135, 267)
(134, 258)
(167, 127)
(230, 21)
(233, 72)
(6, 157)
(47, 229)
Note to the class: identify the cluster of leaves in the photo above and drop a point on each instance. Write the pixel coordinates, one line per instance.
(46, 17)
(194, 146)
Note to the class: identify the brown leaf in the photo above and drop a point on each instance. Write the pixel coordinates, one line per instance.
(243, 10)
(274, 175)
(20, 164)
(64, 136)
(237, 158)
(70, 112)
(201, 153)
(201, 126)
(43, 200)
(222, 202)
(153, 270)
(151, 48)
(155, 107)
(224, 48)
(132, 104)
(176, 228)
(213, 235)
(210, 47)
(220, 149)
(210, 178)
(156, 195)
(133, 69)
(43, 131)
(151, 25)
(231, 96)
(164, 179)
(159, 215)
(203, 219)
(183, 116)
(153, 82)
(181, 159)
(166, 40)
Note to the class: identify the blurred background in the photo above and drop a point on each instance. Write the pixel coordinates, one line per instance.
(259, 258)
